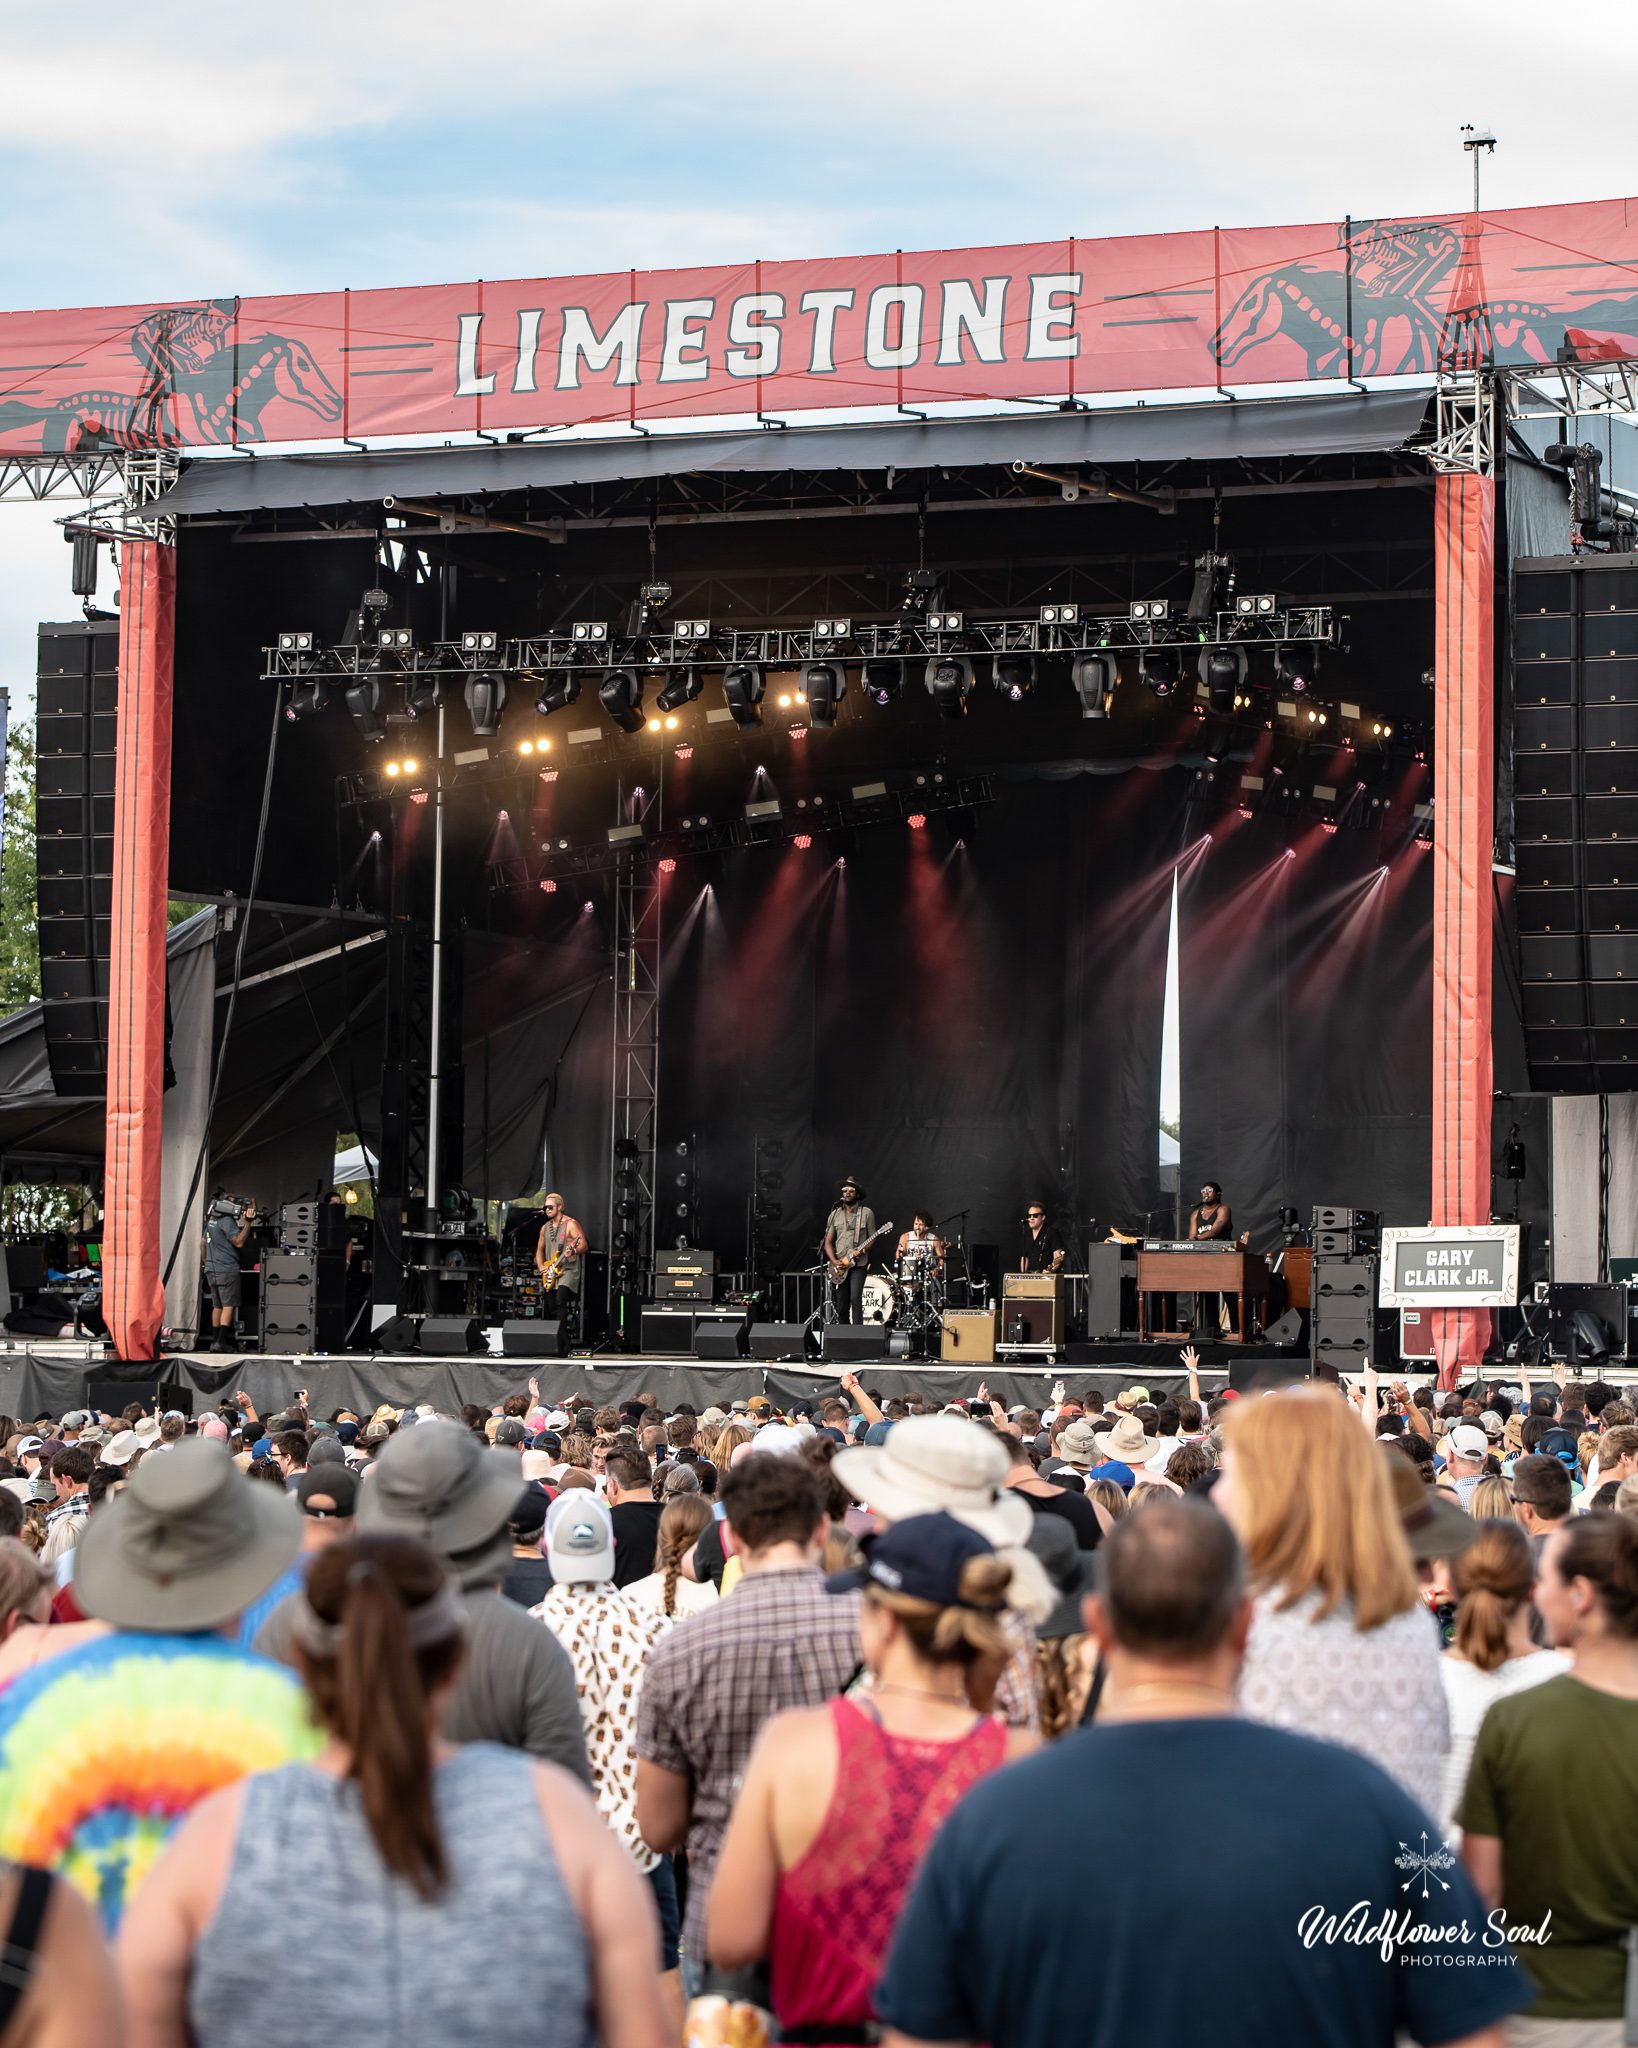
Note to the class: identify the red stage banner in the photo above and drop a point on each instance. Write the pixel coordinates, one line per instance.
(1044, 321)
(1464, 543)
(133, 1292)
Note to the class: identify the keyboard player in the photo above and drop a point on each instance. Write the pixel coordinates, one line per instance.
(1213, 1218)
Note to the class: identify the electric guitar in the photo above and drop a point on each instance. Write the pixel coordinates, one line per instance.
(554, 1266)
(840, 1268)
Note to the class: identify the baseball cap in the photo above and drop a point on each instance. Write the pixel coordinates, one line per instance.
(529, 1516)
(332, 1481)
(1468, 1441)
(30, 1444)
(509, 1430)
(580, 1539)
(922, 1557)
(1491, 1423)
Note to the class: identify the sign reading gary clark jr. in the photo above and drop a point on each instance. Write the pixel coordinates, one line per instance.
(1452, 1266)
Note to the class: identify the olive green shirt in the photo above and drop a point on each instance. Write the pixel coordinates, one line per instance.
(1555, 1776)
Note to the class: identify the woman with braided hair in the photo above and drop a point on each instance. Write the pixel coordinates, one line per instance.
(393, 1849)
(665, 1589)
(840, 1802)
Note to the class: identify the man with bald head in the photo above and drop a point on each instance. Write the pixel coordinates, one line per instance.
(558, 1252)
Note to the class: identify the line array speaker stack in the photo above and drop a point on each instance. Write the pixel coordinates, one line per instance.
(1575, 764)
(1342, 1311)
(318, 1226)
(304, 1301)
(78, 714)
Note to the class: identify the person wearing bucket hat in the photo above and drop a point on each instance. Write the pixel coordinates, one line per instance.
(1125, 1444)
(168, 1563)
(934, 1462)
(516, 1684)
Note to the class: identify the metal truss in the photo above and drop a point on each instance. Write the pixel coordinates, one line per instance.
(807, 818)
(1567, 390)
(592, 646)
(1464, 434)
(43, 478)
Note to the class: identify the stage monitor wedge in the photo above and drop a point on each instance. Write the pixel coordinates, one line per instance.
(1575, 818)
(781, 1341)
(451, 1336)
(534, 1337)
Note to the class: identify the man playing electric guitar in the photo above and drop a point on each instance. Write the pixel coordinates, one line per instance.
(850, 1229)
(558, 1252)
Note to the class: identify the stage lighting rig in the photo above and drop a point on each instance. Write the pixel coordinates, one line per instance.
(1094, 677)
(942, 624)
(1160, 669)
(1144, 611)
(1290, 672)
(485, 700)
(307, 698)
(883, 680)
(824, 684)
(949, 680)
(622, 698)
(1222, 671)
(688, 633)
(683, 687)
(396, 640)
(289, 643)
(743, 685)
(363, 699)
(1256, 605)
(1014, 675)
(559, 687)
(423, 693)
(1060, 615)
(589, 632)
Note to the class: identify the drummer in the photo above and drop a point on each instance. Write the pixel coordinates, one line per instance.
(921, 1241)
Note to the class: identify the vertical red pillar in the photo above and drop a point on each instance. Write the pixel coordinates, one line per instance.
(1463, 845)
(133, 1255)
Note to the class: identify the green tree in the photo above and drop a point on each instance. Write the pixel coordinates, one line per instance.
(19, 911)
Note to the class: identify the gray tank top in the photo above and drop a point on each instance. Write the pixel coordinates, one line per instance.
(314, 1941)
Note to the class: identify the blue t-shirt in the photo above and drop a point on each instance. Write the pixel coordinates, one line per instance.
(221, 1253)
(1037, 1919)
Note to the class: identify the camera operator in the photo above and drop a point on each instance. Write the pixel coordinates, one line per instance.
(228, 1224)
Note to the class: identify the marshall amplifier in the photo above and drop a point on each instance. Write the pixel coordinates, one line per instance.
(685, 1276)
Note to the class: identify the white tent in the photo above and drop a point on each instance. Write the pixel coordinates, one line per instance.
(355, 1164)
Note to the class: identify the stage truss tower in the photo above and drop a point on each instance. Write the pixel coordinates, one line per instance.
(634, 1135)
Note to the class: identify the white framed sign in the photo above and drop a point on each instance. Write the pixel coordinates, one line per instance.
(1451, 1265)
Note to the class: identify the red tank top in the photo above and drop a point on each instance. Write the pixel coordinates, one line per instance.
(836, 1909)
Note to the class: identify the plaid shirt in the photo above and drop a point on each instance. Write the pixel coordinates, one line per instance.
(778, 1640)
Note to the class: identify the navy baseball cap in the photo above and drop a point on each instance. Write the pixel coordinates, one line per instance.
(922, 1556)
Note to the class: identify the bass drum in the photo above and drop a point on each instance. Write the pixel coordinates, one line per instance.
(881, 1299)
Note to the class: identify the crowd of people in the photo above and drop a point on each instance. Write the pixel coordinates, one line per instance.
(830, 1721)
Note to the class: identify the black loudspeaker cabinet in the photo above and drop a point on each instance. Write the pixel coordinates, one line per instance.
(1569, 1336)
(303, 1301)
(1575, 813)
(849, 1344)
(668, 1331)
(534, 1337)
(113, 1397)
(77, 716)
(780, 1341)
(719, 1340)
(1111, 1290)
(451, 1336)
(1290, 1329)
(1343, 1318)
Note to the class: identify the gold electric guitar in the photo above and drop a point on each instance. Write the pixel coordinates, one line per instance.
(840, 1268)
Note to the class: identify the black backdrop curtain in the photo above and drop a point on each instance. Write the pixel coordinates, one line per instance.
(1305, 1000)
(964, 1016)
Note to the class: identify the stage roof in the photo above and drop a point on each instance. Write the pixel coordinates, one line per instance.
(1333, 424)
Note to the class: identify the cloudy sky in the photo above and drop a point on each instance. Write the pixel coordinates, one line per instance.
(173, 150)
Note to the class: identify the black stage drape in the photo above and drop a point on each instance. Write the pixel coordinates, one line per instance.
(965, 1015)
(1305, 994)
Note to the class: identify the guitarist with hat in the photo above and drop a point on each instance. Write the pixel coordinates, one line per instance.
(849, 1228)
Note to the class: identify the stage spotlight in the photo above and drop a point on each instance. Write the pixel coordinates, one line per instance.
(289, 643)
(589, 630)
(410, 767)
(1259, 605)
(418, 796)
(1094, 677)
(824, 684)
(393, 768)
(883, 680)
(802, 842)
(1290, 673)
(396, 640)
(1014, 674)
(363, 707)
(916, 820)
(668, 867)
(1222, 670)
(549, 886)
(621, 695)
(422, 695)
(684, 686)
(1143, 609)
(682, 753)
(1160, 668)
(485, 700)
(305, 699)
(654, 725)
(558, 689)
(1060, 614)
(743, 685)
(478, 643)
(526, 746)
(949, 680)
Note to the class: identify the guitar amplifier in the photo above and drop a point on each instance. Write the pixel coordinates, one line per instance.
(681, 1284)
(690, 1261)
(969, 1336)
(1032, 1309)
